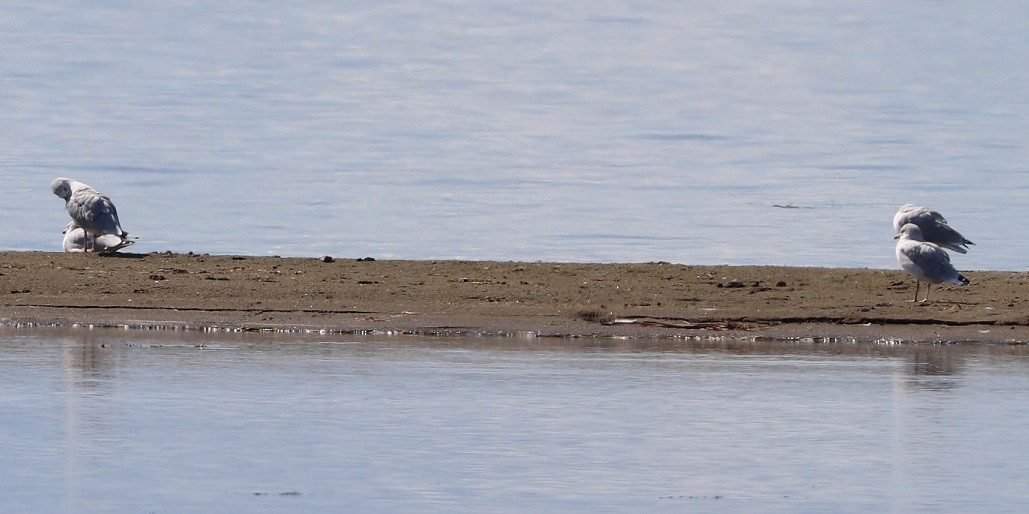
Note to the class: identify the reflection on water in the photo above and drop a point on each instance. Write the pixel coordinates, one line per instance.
(87, 360)
(108, 420)
(935, 363)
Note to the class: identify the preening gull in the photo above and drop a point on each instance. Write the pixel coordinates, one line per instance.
(934, 228)
(90, 210)
(925, 261)
(75, 240)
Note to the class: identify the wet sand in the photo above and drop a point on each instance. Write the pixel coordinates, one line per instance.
(193, 291)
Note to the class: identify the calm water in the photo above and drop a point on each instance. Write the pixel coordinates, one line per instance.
(116, 421)
(578, 131)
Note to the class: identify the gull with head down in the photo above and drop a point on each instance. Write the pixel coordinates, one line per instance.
(89, 210)
(75, 240)
(933, 226)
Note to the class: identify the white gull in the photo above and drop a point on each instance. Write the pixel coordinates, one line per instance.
(925, 261)
(933, 226)
(90, 210)
(75, 240)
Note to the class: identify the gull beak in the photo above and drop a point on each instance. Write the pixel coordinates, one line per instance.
(896, 236)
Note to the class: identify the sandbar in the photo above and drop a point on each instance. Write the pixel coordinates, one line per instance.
(527, 299)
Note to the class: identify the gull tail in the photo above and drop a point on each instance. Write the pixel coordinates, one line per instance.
(125, 241)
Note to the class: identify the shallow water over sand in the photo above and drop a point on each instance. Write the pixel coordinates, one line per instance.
(109, 420)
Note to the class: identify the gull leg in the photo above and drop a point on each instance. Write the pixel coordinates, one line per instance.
(917, 283)
(927, 286)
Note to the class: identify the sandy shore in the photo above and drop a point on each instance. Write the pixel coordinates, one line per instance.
(541, 298)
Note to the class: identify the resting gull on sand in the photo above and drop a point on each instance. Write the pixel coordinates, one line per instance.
(75, 240)
(90, 210)
(925, 261)
(934, 228)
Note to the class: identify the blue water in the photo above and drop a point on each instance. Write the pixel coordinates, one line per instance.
(572, 131)
(119, 421)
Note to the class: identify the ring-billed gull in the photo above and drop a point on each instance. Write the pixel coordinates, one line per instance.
(934, 228)
(925, 261)
(89, 209)
(75, 240)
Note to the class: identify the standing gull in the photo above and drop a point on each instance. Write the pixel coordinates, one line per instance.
(925, 261)
(90, 210)
(75, 240)
(934, 228)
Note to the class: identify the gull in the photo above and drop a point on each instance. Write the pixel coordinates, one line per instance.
(75, 240)
(934, 228)
(925, 261)
(89, 209)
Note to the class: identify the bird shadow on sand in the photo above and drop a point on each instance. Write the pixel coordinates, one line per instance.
(122, 255)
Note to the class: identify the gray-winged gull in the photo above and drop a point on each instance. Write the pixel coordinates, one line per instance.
(89, 209)
(75, 240)
(925, 261)
(934, 228)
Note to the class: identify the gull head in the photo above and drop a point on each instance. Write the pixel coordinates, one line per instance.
(910, 231)
(62, 187)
